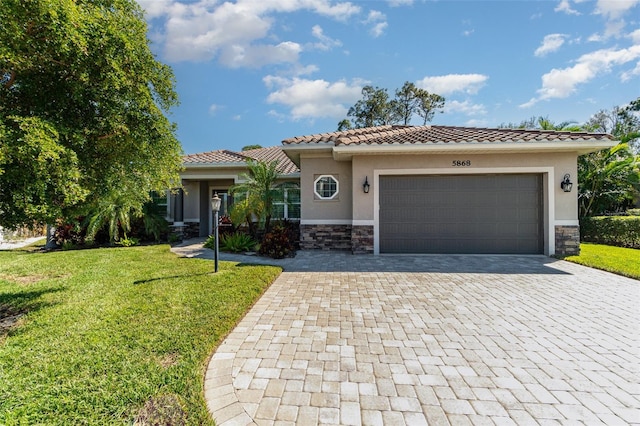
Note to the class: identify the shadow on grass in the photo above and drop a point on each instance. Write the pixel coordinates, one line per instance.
(14, 305)
(171, 277)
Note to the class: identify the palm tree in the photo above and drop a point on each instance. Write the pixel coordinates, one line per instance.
(261, 189)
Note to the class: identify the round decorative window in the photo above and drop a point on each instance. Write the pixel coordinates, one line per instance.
(326, 187)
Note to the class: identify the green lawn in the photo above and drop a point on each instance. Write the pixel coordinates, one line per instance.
(107, 334)
(621, 261)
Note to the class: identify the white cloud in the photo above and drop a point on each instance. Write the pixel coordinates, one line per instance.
(635, 36)
(550, 43)
(234, 32)
(565, 6)
(214, 108)
(476, 123)
(313, 98)
(467, 33)
(324, 42)
(615, 9)
(446, 84)
(255, 56)
(465, 107)
(628, 75)
(561, 83)
(397, 3)
(379, 22)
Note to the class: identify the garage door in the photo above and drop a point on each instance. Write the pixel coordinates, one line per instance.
(498, 214)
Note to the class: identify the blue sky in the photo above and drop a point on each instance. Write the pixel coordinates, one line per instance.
(259, 71)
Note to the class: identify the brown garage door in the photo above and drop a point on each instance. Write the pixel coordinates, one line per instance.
(499, 214)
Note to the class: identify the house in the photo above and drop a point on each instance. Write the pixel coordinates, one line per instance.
(420, 189)
(208, 173)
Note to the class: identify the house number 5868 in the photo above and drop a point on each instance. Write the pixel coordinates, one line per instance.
(461, 163)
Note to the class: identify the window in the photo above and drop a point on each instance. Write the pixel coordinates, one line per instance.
(160, 203)
(287, 204)
(326, 187)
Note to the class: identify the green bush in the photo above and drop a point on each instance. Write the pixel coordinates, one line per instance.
(633, 212)
(237, 242)
(621, 231)
(277, 243)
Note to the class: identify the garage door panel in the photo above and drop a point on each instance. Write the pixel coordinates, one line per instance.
(461, 214)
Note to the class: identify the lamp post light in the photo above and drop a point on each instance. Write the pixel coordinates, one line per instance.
(215, 206)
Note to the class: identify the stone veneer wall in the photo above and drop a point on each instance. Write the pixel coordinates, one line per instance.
(191, 230)
(567, 240)
(325, 237)
(362, 240)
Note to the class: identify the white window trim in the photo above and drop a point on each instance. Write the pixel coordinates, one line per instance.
(315, 183)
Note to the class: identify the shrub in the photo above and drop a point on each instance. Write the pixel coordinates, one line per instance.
(633, 212)
(237, 242)
(128, 242)
(277, 244)
(621, 231)
(210, 243)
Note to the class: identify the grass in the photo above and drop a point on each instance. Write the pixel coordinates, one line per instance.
(621, 261)
(111, 335)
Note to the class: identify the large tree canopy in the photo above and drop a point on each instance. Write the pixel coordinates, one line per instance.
(82, 109)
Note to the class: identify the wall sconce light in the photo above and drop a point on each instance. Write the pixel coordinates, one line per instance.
(365, 185)
(566, 184)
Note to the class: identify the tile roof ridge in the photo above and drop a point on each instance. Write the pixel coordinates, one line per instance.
(522, 130)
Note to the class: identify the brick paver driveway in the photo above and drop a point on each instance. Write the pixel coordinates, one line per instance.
(432, 340)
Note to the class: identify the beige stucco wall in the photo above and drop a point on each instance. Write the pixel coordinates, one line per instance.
(358, 208)
(552, 165)
(336, 210)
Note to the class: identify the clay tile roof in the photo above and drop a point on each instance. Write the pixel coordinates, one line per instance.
(224, 157)
(441, 134)
(219, 156)
(274, 153)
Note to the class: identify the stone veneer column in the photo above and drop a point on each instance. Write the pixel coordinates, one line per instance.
(362, 239)
(325, 237)
(567, 240)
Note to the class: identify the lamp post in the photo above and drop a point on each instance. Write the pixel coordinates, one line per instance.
(215, 206)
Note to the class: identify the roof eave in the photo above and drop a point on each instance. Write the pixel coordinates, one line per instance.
(293, 151)
(242, 164)
(345, 152)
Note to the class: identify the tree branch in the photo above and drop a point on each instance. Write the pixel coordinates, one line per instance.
(11, 80)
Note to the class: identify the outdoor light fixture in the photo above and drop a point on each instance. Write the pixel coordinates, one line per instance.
(566, 184)
(215, 206)
(365, 185)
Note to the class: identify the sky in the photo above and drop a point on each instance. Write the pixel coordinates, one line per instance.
(260, 71)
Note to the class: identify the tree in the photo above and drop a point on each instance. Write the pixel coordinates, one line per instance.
(373, 109)
(344, 124)
(250, 147)
(376, 109)
(261, 189)
(608, 179)
(82, 109)
(428, 104)
(407, 102)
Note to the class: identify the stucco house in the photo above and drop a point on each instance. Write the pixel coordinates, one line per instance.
(208, 173)
(417, 189)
